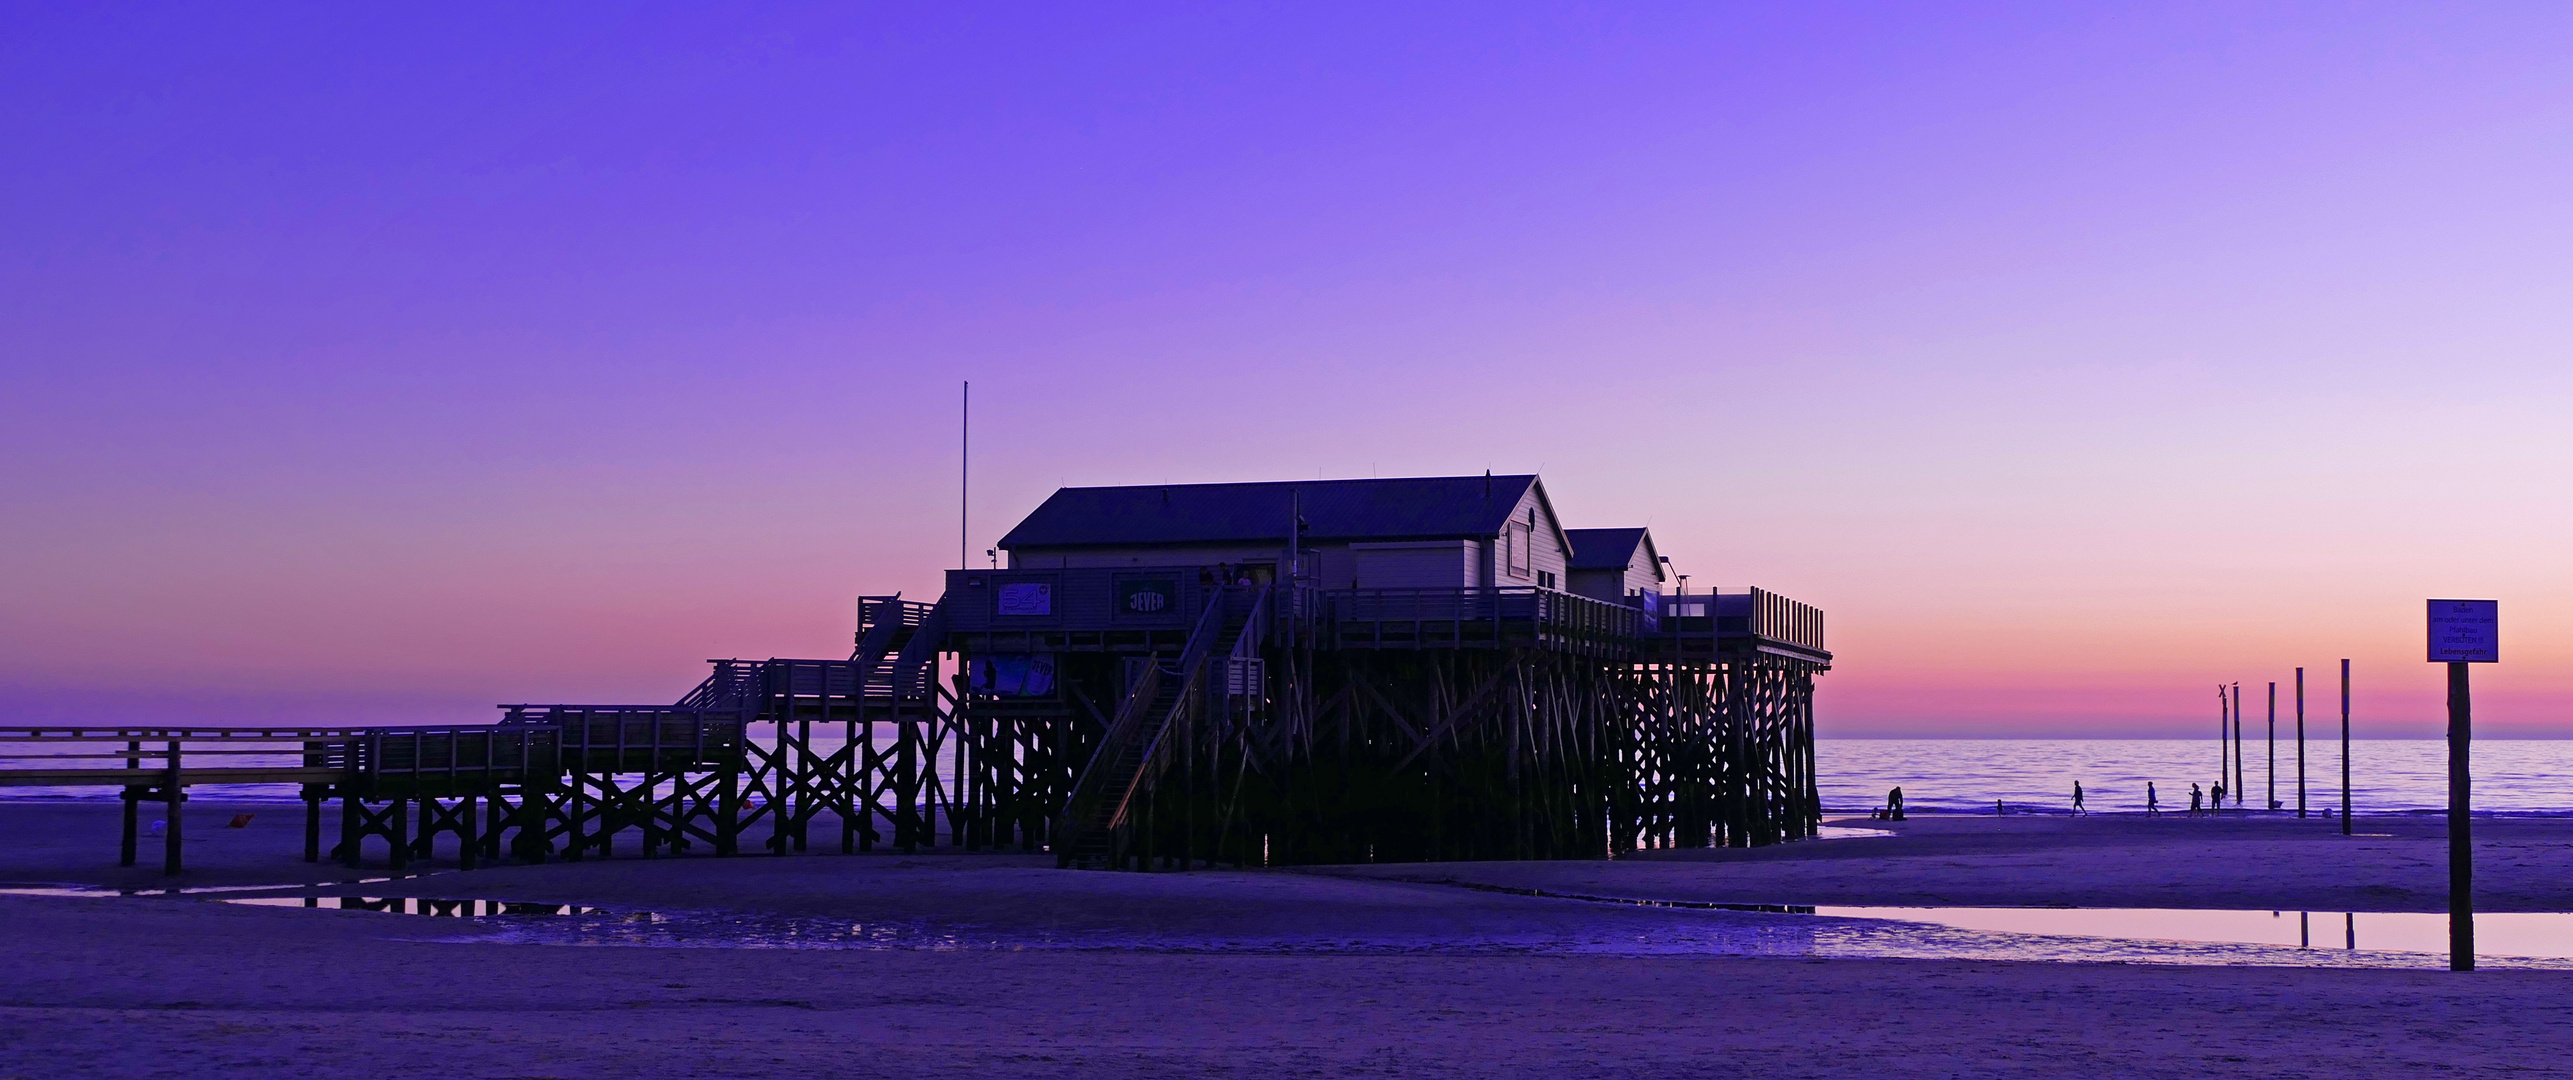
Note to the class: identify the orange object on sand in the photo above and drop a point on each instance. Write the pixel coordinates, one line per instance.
(239, 821)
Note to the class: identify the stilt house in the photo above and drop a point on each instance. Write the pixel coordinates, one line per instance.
(1366, 664)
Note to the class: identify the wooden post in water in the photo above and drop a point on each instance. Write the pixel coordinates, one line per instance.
(2273, 746)
(2345, 748)
(2224, 719)
(2300, 742)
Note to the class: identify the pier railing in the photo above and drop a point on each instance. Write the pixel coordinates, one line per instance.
(1753, 620)
(894, 610)
(149, 757)
(151, 764)
(1480, 618)
(632, 738)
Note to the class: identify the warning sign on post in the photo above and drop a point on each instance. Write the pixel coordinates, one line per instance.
(2465, 632)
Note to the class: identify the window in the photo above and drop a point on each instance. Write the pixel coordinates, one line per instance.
(1545, 579)
(1514, 545)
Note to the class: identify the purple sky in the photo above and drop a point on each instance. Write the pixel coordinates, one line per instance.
(2073, 357)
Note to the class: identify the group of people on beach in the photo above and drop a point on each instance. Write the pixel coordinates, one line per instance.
(2202, 801)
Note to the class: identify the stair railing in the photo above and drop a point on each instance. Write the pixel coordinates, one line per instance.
(1192, 671)
(915, 667)
(727, 684)
(1088, 789)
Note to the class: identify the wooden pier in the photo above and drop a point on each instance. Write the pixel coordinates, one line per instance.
(1122, 715)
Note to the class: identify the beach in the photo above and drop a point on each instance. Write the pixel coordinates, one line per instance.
(1377, 970)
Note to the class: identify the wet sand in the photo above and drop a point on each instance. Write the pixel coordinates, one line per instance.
(2391, 864)
(150, 986)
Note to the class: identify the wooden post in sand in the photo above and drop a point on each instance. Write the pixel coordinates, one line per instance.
(2345, 748)
(172, 790)
(133, 802)
(2462, 632)
(2461, 827)
(2273, 747)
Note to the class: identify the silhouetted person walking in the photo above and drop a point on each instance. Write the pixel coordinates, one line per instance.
(2077, 799)
(2197, 804)
(2152, 800)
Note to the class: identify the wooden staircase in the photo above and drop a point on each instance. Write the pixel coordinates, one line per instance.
(1094, 836)
(897, 640)
(1098, 820)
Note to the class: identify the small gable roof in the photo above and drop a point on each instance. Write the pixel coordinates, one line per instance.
(1611, 549)
(1417, 508)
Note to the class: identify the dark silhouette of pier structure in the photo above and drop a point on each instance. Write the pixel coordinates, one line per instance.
(1314, 672)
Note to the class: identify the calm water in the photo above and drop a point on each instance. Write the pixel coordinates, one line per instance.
(2525, 776)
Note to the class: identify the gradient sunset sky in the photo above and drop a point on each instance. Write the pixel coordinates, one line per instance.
(367, 364)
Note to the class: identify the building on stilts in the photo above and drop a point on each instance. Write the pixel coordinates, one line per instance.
(1372, 670)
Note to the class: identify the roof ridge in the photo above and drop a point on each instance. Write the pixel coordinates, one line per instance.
(1292, 483)
(1256, 511)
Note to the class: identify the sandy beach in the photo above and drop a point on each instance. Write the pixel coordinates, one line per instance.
(1383, 977)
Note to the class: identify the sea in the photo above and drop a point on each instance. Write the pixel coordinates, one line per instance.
(2387, 776)
(2034, 776)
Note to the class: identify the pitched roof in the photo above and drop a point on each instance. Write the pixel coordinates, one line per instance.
(1420, 508)
(1608, 549)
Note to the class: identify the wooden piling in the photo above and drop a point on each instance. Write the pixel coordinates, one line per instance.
(313, 823)
(2461, 825)
(173, 790)
(2273, 748)
(133, 802)
(2345, 748)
